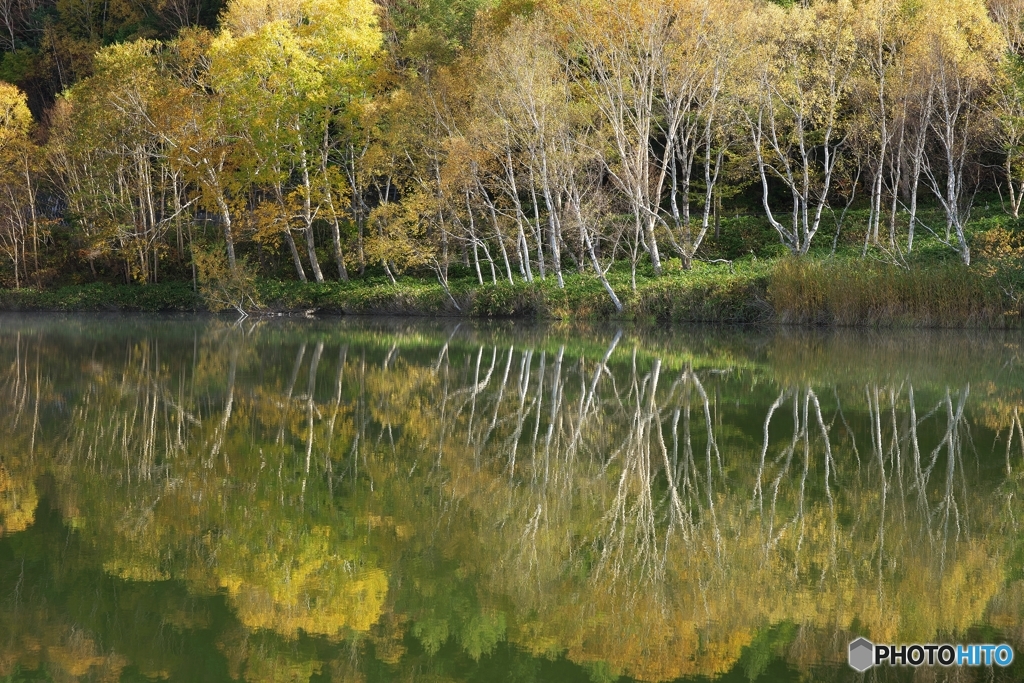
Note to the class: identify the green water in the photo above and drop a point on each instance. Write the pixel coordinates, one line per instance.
(342, 500)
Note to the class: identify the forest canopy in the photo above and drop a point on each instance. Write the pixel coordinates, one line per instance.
(501, 140)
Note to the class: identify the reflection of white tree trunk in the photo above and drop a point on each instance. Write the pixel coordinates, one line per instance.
(1016, 429)
(623, 518)
(310, 397)
(229, 403)
(524, 389)
(758, 494)
(556, 404)
(335, 409)
(587, 405)
(806, 406)
(291, 388)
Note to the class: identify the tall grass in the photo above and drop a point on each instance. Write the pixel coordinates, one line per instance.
(859, 292)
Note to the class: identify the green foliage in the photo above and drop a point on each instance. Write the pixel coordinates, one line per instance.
(373, 296)
(482, 632)
(433, 633)
(741, 236)
(1000, 253)
(16, 67)
(508, 300)
(733, 293)
(767, 645)
(842, 291)
(434, 29)
(101, 296)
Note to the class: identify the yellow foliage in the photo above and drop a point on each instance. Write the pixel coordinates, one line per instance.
(331, 31)
(999, 246)
(18, 501)
(398, 237)
(15, 118)
(300, 583)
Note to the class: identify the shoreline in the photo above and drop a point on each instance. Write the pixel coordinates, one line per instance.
(815, 293)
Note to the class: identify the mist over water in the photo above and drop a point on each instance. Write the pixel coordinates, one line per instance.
(186, 499)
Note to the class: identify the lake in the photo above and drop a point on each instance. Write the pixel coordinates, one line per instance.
(188, 499)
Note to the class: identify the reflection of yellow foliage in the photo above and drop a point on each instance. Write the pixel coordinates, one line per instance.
(664, 652)
(137, 544)
(18, 500)
(72, 661)
(316, 607)
(692, 605)
(232, 583)
(300, 583)
(646, 640)
(533, 529)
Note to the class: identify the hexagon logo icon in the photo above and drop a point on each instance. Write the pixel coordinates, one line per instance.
(862, 654)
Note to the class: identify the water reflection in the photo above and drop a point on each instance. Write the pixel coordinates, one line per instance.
(366, 501)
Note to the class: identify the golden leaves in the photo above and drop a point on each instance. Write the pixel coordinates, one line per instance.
(300, 581)
(18, 501)
(15, 118)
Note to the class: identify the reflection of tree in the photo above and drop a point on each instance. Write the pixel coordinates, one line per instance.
(635, 516)
(636, 512)
(174, 443)
(21, 389)
(18, 500)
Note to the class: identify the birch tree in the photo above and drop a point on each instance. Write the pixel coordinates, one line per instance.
(1007, 103)
(801, 68)
(293, 60)
(18, 223)
(883, 30)
(961, 45)
(527, 94)
(622, 46)
(694, 118)
(110, 158)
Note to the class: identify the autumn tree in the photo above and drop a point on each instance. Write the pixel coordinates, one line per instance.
(299, 60)
(1008, 98)
(960, 46)
(110, 158)
(884, 88)
(19, 226)
(800, 66)
(696, 121)
(622, 47)
(536, 118)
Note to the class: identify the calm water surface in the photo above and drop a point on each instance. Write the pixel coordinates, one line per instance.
(190, 500)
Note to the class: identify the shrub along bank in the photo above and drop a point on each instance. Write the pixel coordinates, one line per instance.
(837, 291)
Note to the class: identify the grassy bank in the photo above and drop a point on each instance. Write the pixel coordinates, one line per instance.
(103, 297)
(838, 291)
